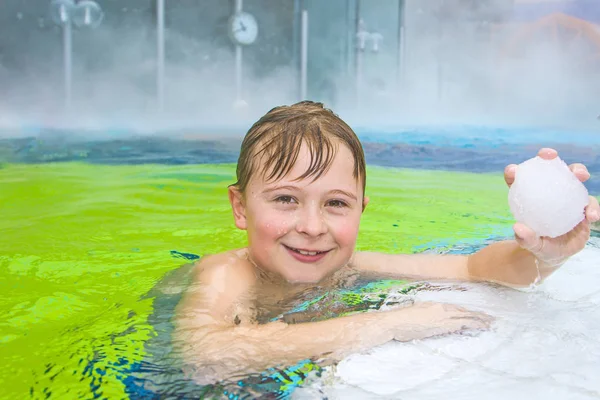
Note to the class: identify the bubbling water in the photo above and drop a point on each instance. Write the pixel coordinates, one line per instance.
(543, 344)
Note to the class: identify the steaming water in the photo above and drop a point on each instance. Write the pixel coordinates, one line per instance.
(544, 344)
(457, 67)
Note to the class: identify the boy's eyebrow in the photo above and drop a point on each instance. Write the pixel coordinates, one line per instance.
(274, 188)
(291, 187)
(343, 192)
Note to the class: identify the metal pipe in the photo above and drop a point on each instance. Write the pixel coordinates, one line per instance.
(68, 63)
(440, 64)
(160, 54)
(350, 38)
(304, 56)
(401, 50)
(238, 59)
(238, 73)
(357, 54)
(359, 75)
(296, 21)
(357, 23)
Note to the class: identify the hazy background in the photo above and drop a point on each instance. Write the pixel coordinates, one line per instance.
(486, 62)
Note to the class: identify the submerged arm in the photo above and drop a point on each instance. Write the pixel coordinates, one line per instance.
(218, 346)
(220, 352)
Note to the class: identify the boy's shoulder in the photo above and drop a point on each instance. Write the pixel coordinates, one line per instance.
(219, 284)
(229, 265)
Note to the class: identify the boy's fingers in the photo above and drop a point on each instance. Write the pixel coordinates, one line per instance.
(580, 171)
(527, 238)
(509, 174)
(547, 153)
(592, 211)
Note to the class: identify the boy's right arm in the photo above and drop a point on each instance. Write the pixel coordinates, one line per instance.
(218, 347)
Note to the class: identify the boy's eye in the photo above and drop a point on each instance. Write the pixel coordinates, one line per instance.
(337, 203)
(285, 199)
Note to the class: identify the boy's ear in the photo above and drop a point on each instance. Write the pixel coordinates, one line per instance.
(365, 202)
(237, 205)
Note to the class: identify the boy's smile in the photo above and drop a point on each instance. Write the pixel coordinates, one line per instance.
(303, 229)
(307, 256)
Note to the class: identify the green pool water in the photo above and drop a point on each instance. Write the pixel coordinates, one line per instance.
(82, 245)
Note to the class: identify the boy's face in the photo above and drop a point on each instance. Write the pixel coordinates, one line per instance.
(304, 230)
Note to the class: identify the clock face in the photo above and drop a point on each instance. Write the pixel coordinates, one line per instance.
(243, 28)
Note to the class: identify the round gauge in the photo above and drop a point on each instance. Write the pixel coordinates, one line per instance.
(243, 28)
(87, 14)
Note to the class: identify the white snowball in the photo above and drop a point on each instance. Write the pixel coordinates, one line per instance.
(547, 197)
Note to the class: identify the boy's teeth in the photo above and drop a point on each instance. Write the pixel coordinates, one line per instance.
(307, 253)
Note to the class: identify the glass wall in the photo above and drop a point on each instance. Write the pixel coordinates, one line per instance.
(393, 59)
(114, 67)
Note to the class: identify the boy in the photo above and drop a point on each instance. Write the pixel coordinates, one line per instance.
(300, 193)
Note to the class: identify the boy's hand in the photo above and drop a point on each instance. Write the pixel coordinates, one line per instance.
(425, 320)
(555, 251)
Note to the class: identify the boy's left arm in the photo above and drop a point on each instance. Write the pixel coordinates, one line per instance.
(518, 262)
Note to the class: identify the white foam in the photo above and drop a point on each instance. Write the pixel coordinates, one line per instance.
(404, 365)
(543, 344)
(547, 197)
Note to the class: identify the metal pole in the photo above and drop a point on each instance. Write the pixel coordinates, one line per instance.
(238, 60)
(160, 47)
(350, 38)
(400, 53)
(440, 57)
(68, 63)
(359, 75)
(297, 21)
(304, 56)
(357, 23)
(357, 53)
(238, 73)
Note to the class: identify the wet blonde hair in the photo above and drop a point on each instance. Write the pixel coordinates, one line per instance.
(272, 144)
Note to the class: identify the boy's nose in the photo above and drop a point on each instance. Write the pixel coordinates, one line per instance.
(311, 223)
